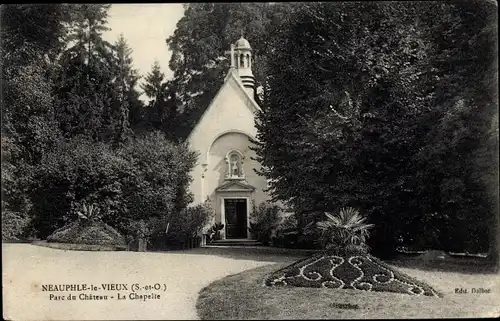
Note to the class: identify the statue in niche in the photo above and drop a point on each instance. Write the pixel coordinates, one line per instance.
(234, 166)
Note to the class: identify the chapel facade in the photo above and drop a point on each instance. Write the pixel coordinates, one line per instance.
(225, 172)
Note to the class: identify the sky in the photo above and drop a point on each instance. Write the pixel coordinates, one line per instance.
(145, 27)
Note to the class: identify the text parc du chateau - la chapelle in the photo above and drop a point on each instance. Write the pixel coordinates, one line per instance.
(108, 291)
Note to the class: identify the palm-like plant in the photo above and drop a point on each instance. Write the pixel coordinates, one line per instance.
(345, 232)
(89, 213)
(214, 231)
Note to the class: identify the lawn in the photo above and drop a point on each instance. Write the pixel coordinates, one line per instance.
(244, 296)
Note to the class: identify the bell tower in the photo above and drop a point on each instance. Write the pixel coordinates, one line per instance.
(241, 60)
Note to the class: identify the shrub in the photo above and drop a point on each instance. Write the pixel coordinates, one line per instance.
(186, 224)
(264, 219)
(87, 232)
(287, 233)
(77, 172)
(214, 232)
(88, 229)
(290, 235)
(144, 230)
(16, 184)
(146, 177)
(13, 225)
(160, 175)
(196, 217)
(345, 232)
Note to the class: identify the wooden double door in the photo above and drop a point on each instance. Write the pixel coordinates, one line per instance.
(236, 213)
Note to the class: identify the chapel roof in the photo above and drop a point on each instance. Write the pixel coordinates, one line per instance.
(230, 77)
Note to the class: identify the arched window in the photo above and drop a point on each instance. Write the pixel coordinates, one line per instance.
(242, 61)
(234, 160)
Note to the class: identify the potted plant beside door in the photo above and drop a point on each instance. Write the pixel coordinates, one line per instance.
(214, 232)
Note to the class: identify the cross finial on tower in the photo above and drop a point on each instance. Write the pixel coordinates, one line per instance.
(231, 55)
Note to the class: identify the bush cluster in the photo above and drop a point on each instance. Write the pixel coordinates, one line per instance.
(263, 221)
(179, 228)
(145, 178)
(190, 222)
(87, 232)
(13, 225)
(286, 234)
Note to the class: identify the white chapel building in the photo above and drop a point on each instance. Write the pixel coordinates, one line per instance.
(225, 170)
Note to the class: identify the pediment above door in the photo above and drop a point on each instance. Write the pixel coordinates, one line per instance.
(235, 186)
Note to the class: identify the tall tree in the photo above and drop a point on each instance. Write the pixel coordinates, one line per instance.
(199, 43)
(32, 31)
(363, 115)
(127, 105)
(161, 112)
(86, 78)
(154, 88)
(30, 37)
(128, 78)
(461, 157)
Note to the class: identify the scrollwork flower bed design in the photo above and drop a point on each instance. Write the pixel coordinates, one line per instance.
(355, 272)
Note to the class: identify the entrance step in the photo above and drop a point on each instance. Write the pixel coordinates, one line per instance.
(234, 242)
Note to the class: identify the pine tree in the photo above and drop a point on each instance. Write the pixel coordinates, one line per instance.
(86, 78)
(155, 88)
(153, 82)
(126, 101)
(128, 80)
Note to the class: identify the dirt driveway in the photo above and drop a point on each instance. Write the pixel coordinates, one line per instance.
(28, 270)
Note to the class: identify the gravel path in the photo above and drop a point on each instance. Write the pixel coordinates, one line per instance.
(27, 267)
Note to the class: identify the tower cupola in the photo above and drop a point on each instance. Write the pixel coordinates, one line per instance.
(242, 44)
(241, 60)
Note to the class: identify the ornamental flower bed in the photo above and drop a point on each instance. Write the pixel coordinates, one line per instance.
(361, 272)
